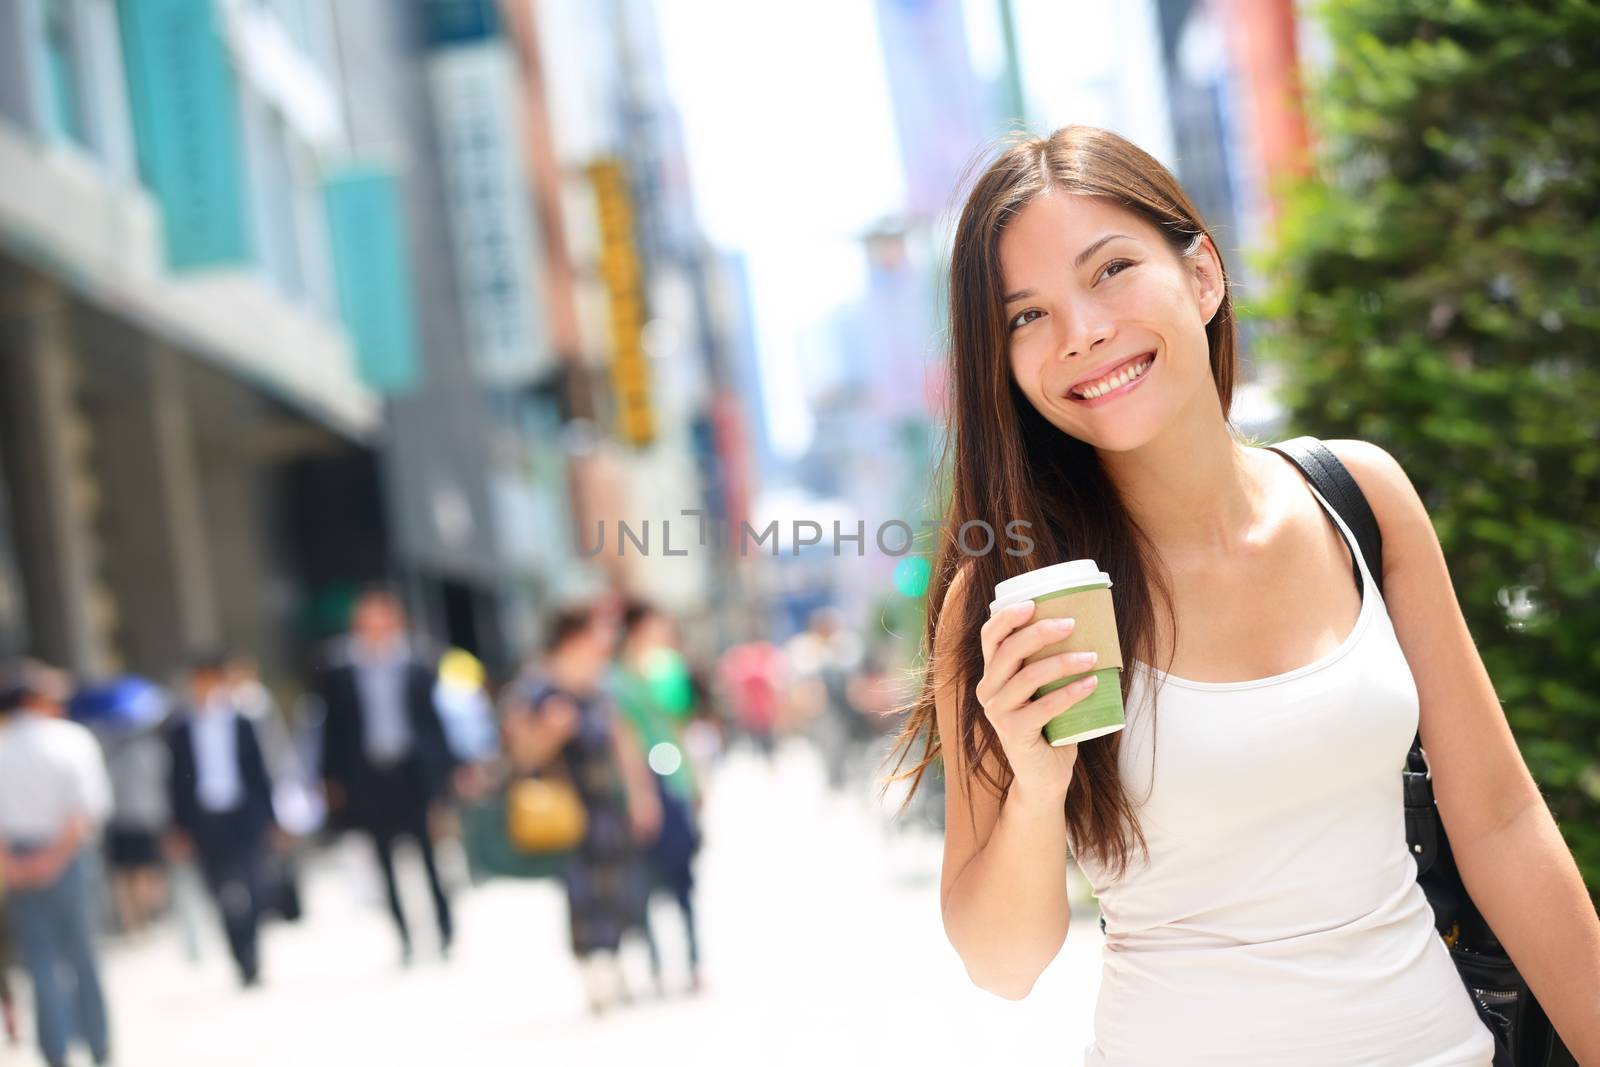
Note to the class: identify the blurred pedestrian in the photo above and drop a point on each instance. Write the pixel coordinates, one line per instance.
(8, 1000)
(54, 797)
(558, 714)
(136, 759)
(466, 713)
(653, 688)
(752, 677)
(385, 760)
(247, 693)
(705, 735)
(823, 660)
(286, 770)
(465, 709)
(221, 796)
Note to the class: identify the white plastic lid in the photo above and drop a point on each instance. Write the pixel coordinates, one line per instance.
(1057, 576)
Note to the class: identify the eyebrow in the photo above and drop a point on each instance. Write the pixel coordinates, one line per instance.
(1077, 262)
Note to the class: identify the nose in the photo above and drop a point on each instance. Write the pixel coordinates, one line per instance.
(1081, 340)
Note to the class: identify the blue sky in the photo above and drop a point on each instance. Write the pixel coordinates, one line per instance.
(789, 166)
(792, 149)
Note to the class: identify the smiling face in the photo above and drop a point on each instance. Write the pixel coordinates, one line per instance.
(1094, 290)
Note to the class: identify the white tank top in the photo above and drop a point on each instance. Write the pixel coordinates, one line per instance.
(1277, 919)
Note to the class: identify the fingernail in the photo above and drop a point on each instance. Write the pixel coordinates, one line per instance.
(1088, 683)
(1085, 657)
(1062, 624)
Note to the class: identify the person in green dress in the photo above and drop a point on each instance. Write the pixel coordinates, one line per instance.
(652, 686)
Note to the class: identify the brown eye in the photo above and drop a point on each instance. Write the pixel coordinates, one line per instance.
(1120, 265)
(1022, 318)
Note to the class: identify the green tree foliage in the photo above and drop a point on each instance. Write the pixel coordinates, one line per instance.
(1437, 292)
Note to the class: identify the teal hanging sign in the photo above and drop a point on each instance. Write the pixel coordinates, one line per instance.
(371, 262)
(186, 124)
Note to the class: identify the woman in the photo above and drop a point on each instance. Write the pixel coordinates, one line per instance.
(136, 759)
(1249, 858)
(652, 686)
(560, 712)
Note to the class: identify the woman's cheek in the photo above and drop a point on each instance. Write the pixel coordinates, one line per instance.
(1024, 368)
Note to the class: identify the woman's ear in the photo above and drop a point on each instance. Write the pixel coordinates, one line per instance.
(1210, 285)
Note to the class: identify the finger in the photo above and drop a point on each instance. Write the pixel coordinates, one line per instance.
(1025, 642)
(1019, 691)
(1001, 623)
(1033, 715)
(993, 634)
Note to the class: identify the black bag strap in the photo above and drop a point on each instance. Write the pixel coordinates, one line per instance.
(1338, 486)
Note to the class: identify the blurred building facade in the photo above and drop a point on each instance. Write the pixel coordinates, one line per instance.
(185, 434)
(656, 424)
(287, 310)
(876, 423)
(478, 498)
(296, 294)
(1239, 126)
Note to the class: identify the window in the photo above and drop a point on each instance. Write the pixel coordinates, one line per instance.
(61, 72)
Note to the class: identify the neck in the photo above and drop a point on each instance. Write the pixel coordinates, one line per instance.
(1194, 490)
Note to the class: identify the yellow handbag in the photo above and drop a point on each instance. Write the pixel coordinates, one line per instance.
(544, 815)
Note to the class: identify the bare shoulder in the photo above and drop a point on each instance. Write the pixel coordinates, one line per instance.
(1384, 482)
(1367, 461)
(951, 628)
(1402, 516)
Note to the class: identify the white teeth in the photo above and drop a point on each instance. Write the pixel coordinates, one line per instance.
(1117, 381)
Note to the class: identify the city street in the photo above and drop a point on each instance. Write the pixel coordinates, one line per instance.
(392, 394)
(820, 932)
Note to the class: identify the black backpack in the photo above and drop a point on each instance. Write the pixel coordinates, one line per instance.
(1522, 1032)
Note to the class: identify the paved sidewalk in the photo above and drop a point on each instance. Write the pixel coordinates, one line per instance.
(820, 933)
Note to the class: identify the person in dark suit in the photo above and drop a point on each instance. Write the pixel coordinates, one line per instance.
(385, 760)
(221, 798)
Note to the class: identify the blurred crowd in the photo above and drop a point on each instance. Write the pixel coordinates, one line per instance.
(124, 803)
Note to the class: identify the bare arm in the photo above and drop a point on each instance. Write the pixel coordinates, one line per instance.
(44, 866)
(1005, 901)
(535, 737)
(1511, 855)
(644, 807)
(1003, 890)
(625, 744)
(1523, 879)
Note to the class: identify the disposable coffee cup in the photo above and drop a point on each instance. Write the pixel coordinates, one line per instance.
(1077, 590)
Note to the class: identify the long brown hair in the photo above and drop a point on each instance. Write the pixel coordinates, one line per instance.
(1004, 462)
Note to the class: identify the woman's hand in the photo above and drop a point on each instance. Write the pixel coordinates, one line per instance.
(533, 737)
(1042, 772)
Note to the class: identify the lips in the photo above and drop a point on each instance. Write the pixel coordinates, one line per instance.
(1120, 391)
(1106, 372)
